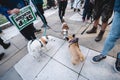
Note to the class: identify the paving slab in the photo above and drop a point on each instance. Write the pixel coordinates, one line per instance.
(10, 33)
(101, 71)
(82, 78)
(64, 57)
(28, 67)
(56, 71)
(11, 75)
(5, 66)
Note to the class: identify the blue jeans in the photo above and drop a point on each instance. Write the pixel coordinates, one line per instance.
(114, 34)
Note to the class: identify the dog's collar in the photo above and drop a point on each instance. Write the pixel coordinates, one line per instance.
(39, 41)
(75, 40)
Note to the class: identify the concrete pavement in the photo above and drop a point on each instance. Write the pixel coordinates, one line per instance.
(56, 64)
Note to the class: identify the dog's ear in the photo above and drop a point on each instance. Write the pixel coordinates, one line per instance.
(73, 35)
(67, 38)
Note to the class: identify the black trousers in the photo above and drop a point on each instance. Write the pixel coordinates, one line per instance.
(62, 8)
(41, 13)
(28, 32)
(51, 3)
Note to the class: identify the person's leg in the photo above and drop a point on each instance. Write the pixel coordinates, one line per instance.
(114, 34)
(28, 32)
(72, 1)
(60, 10)
(41, 13)
(101, 33)
(64, 8)
(78, 5)
(94, 28)
(84, 14)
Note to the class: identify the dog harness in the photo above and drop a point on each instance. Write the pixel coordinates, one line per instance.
(75, 40)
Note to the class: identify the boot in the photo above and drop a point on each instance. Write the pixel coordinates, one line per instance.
(1, 55)
(100, 35)
(93, 30)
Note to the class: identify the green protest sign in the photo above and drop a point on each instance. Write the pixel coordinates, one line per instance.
(25, 17)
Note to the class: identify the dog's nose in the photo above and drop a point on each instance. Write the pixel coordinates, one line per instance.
(46, 42)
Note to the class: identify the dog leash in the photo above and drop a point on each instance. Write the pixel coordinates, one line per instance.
(45, 28)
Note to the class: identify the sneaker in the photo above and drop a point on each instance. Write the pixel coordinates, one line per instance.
(117, 63)
(98, 58)
(1, 55)
(78, 10)
(74, 9)
(71, 7)
(37, 30)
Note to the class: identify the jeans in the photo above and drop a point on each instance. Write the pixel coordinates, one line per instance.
(114, 34)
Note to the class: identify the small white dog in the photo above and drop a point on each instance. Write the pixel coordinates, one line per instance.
(34, 47)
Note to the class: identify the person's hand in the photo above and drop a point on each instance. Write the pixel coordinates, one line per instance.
(14, 11)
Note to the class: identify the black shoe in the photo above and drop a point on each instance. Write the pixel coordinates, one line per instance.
(93, 30)
(6, 45)
(37, 30)
(78, 10)
(98, 58)
(71, 7)
(1, 55)
(117, 63)
(100, 35)
(74, 9)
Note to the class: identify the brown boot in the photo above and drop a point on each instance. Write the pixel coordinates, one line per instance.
(100, 35)
(93, 30)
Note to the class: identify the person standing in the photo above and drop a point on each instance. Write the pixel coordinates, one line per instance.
(5, 46)
(76, 5)
(112, 37)
(102, 8)
(62, 7)
(8, 7)
(88, 6)
(40, 12)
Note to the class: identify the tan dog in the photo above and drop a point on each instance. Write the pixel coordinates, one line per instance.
(76, 54)
(65, 29)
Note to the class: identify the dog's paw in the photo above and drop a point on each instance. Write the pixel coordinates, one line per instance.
(82, 58)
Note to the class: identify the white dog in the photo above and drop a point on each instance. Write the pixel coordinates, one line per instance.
(34, 47)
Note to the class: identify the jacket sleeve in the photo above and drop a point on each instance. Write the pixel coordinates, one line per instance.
(3, 10)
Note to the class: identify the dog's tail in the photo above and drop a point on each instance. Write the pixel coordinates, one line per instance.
(28, 46)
